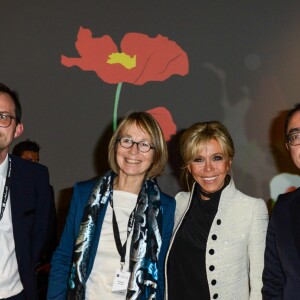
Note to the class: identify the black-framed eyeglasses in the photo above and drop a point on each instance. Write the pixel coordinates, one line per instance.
(143, 146)
(293, 138)
(5, 120)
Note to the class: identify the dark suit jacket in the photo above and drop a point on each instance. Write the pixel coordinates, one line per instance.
(281, 275)
(31, 208)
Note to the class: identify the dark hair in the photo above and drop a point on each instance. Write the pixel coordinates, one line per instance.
(15, 98)
(26, 145)
(195, 138)
(288, 117)
(148, 124)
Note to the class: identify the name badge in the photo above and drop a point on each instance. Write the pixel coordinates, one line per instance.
(120, 283)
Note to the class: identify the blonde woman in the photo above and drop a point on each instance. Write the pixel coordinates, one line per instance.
(217, 248)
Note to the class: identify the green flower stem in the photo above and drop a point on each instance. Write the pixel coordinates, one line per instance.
(117, 97)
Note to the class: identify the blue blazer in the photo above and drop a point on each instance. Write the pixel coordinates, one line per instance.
(31, 207)
(62, 257)
(281, 275)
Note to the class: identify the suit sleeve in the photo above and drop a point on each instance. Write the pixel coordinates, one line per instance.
(168, 223)
(273, 276)
(256, 247)
(62, 257)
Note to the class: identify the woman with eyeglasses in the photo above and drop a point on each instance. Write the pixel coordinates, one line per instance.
(118, 227)
(217, 249)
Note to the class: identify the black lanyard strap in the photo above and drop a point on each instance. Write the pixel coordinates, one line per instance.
(122, 248)
(6, 188)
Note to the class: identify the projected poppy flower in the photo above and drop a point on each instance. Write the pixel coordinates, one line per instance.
(142, 59)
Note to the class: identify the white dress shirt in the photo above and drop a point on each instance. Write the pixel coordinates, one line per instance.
(10, 283)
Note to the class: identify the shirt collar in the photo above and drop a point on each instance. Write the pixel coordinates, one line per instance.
(3, 167)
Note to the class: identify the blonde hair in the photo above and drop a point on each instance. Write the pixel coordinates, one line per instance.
(195, 138)
(150, 126)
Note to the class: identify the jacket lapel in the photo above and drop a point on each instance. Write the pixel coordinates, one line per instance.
(13, 191)
(295, 215)
(16, 209)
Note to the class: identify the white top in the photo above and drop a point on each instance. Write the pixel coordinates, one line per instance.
(107, 260)
(10, 283)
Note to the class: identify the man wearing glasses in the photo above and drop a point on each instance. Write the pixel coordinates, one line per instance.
(281, 275)
(25, 207)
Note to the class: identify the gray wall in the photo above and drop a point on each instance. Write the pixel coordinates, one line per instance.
(244, 71)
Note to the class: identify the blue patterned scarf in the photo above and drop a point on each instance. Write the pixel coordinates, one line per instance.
(145, 246)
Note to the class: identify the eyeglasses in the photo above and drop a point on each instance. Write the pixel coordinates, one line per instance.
(293, 138)
(5, 120)
(142, 146)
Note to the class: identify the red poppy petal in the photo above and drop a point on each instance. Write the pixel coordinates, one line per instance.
(157, 58)
(165, 120)
(94, 54)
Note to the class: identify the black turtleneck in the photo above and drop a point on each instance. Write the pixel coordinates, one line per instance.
(186, 266)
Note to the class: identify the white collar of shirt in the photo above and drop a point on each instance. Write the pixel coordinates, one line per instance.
(3, 167)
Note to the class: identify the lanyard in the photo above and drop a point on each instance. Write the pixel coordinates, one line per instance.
(122, 248)
(6, 188)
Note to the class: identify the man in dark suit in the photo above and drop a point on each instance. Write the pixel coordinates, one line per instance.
(25, 208)
(281, 275)
(30, 150)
